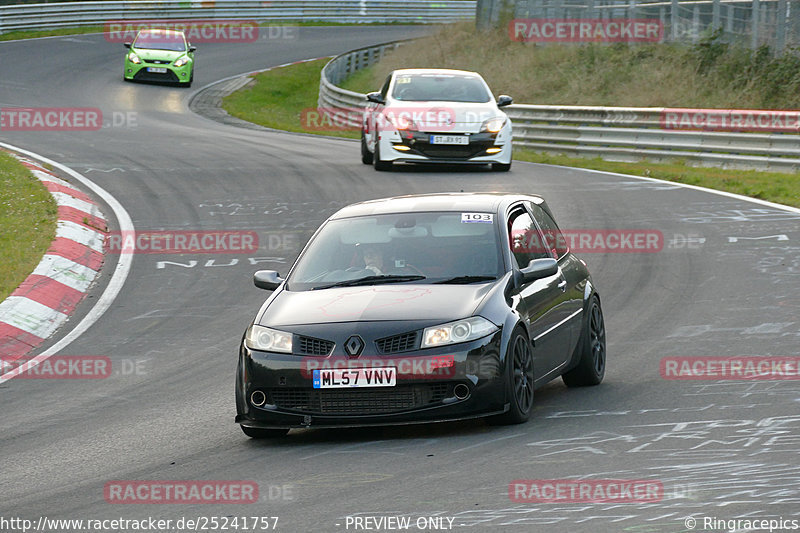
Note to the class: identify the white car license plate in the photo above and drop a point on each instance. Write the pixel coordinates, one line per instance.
(335, 378)
(449, 139)
(157, 70)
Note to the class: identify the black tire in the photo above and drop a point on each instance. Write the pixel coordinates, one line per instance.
(258, 433)
(366, 155)
(519, 381)
(501, 167)
(377, 162)
(591, 349)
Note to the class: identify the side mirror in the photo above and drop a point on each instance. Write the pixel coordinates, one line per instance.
(504, 100)
(192, 48)
(267, 279)
(127, 45)
(538, 269)
(376, 98)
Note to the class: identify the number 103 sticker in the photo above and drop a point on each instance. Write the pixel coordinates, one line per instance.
(486, 218)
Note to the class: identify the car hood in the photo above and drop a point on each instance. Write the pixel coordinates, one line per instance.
(163, 55)
(446, 116)
(373, 303)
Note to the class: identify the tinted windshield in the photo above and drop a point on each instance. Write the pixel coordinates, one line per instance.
(160, 41)
(437, 87)
(439, 246)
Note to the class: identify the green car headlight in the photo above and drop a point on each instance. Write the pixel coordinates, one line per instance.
(267, 339)
(181, 61)
(464, 330)
(133, 58)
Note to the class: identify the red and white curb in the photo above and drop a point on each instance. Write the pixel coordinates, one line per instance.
(47, 298)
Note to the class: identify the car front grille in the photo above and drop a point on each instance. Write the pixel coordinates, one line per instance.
(358, 402)
(451, 151)
(143, 75)
(312, 346)
(157, 61)
(397, 343)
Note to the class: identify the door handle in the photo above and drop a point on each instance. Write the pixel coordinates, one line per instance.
(562, 285)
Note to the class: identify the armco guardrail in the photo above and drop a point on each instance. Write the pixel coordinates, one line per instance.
(69, 14)
(615, 133)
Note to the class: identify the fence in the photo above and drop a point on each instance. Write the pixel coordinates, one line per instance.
(69, 14)
(750, 22)
(614, 133)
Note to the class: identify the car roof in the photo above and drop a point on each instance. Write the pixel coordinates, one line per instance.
(459, 202)
(433, 71)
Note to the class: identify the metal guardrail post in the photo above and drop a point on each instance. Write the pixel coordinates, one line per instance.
(754, 23)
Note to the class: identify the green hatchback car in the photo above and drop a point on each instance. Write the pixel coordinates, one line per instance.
(160, 55)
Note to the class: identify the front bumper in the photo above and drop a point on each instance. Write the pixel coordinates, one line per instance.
(140, 72)
(424, 392)
(415, 147)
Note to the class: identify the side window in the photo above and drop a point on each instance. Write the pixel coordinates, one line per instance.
(385, 88)
(525, 240)
(554, 239)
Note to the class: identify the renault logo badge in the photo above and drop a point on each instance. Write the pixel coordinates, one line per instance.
(354, 346)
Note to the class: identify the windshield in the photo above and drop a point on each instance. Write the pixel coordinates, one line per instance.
(440, 87)
(400, 248)
(158, 40)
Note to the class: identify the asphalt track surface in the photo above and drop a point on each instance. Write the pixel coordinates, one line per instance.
(723, 449)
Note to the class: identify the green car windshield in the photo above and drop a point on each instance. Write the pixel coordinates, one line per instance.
(160, 41)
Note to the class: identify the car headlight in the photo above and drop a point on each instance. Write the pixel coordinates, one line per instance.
(268, 340)
(133, 58)
(493, 125)
(464, 330)
(181, 61)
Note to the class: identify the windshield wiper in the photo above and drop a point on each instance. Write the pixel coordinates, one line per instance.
(465, 279)
(370, 280)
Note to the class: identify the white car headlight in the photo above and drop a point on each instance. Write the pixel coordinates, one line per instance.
(464, 330)
(181, 61)
(493, 125)
(268, 340)
(133, 58)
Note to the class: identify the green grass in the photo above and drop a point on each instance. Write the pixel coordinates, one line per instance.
(30, 34)
(28, 216)
(278, 99)
(779, 187)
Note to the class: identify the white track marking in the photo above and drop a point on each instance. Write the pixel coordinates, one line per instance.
(119, 276)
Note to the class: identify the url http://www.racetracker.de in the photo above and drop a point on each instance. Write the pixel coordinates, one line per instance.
(151, 524)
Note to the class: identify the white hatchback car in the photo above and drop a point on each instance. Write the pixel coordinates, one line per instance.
(435, 116)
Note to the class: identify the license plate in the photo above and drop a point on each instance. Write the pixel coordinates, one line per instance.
(449, 139)
(336, 378)
(157, 70)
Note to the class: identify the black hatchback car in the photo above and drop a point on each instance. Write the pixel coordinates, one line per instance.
(420, 309)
